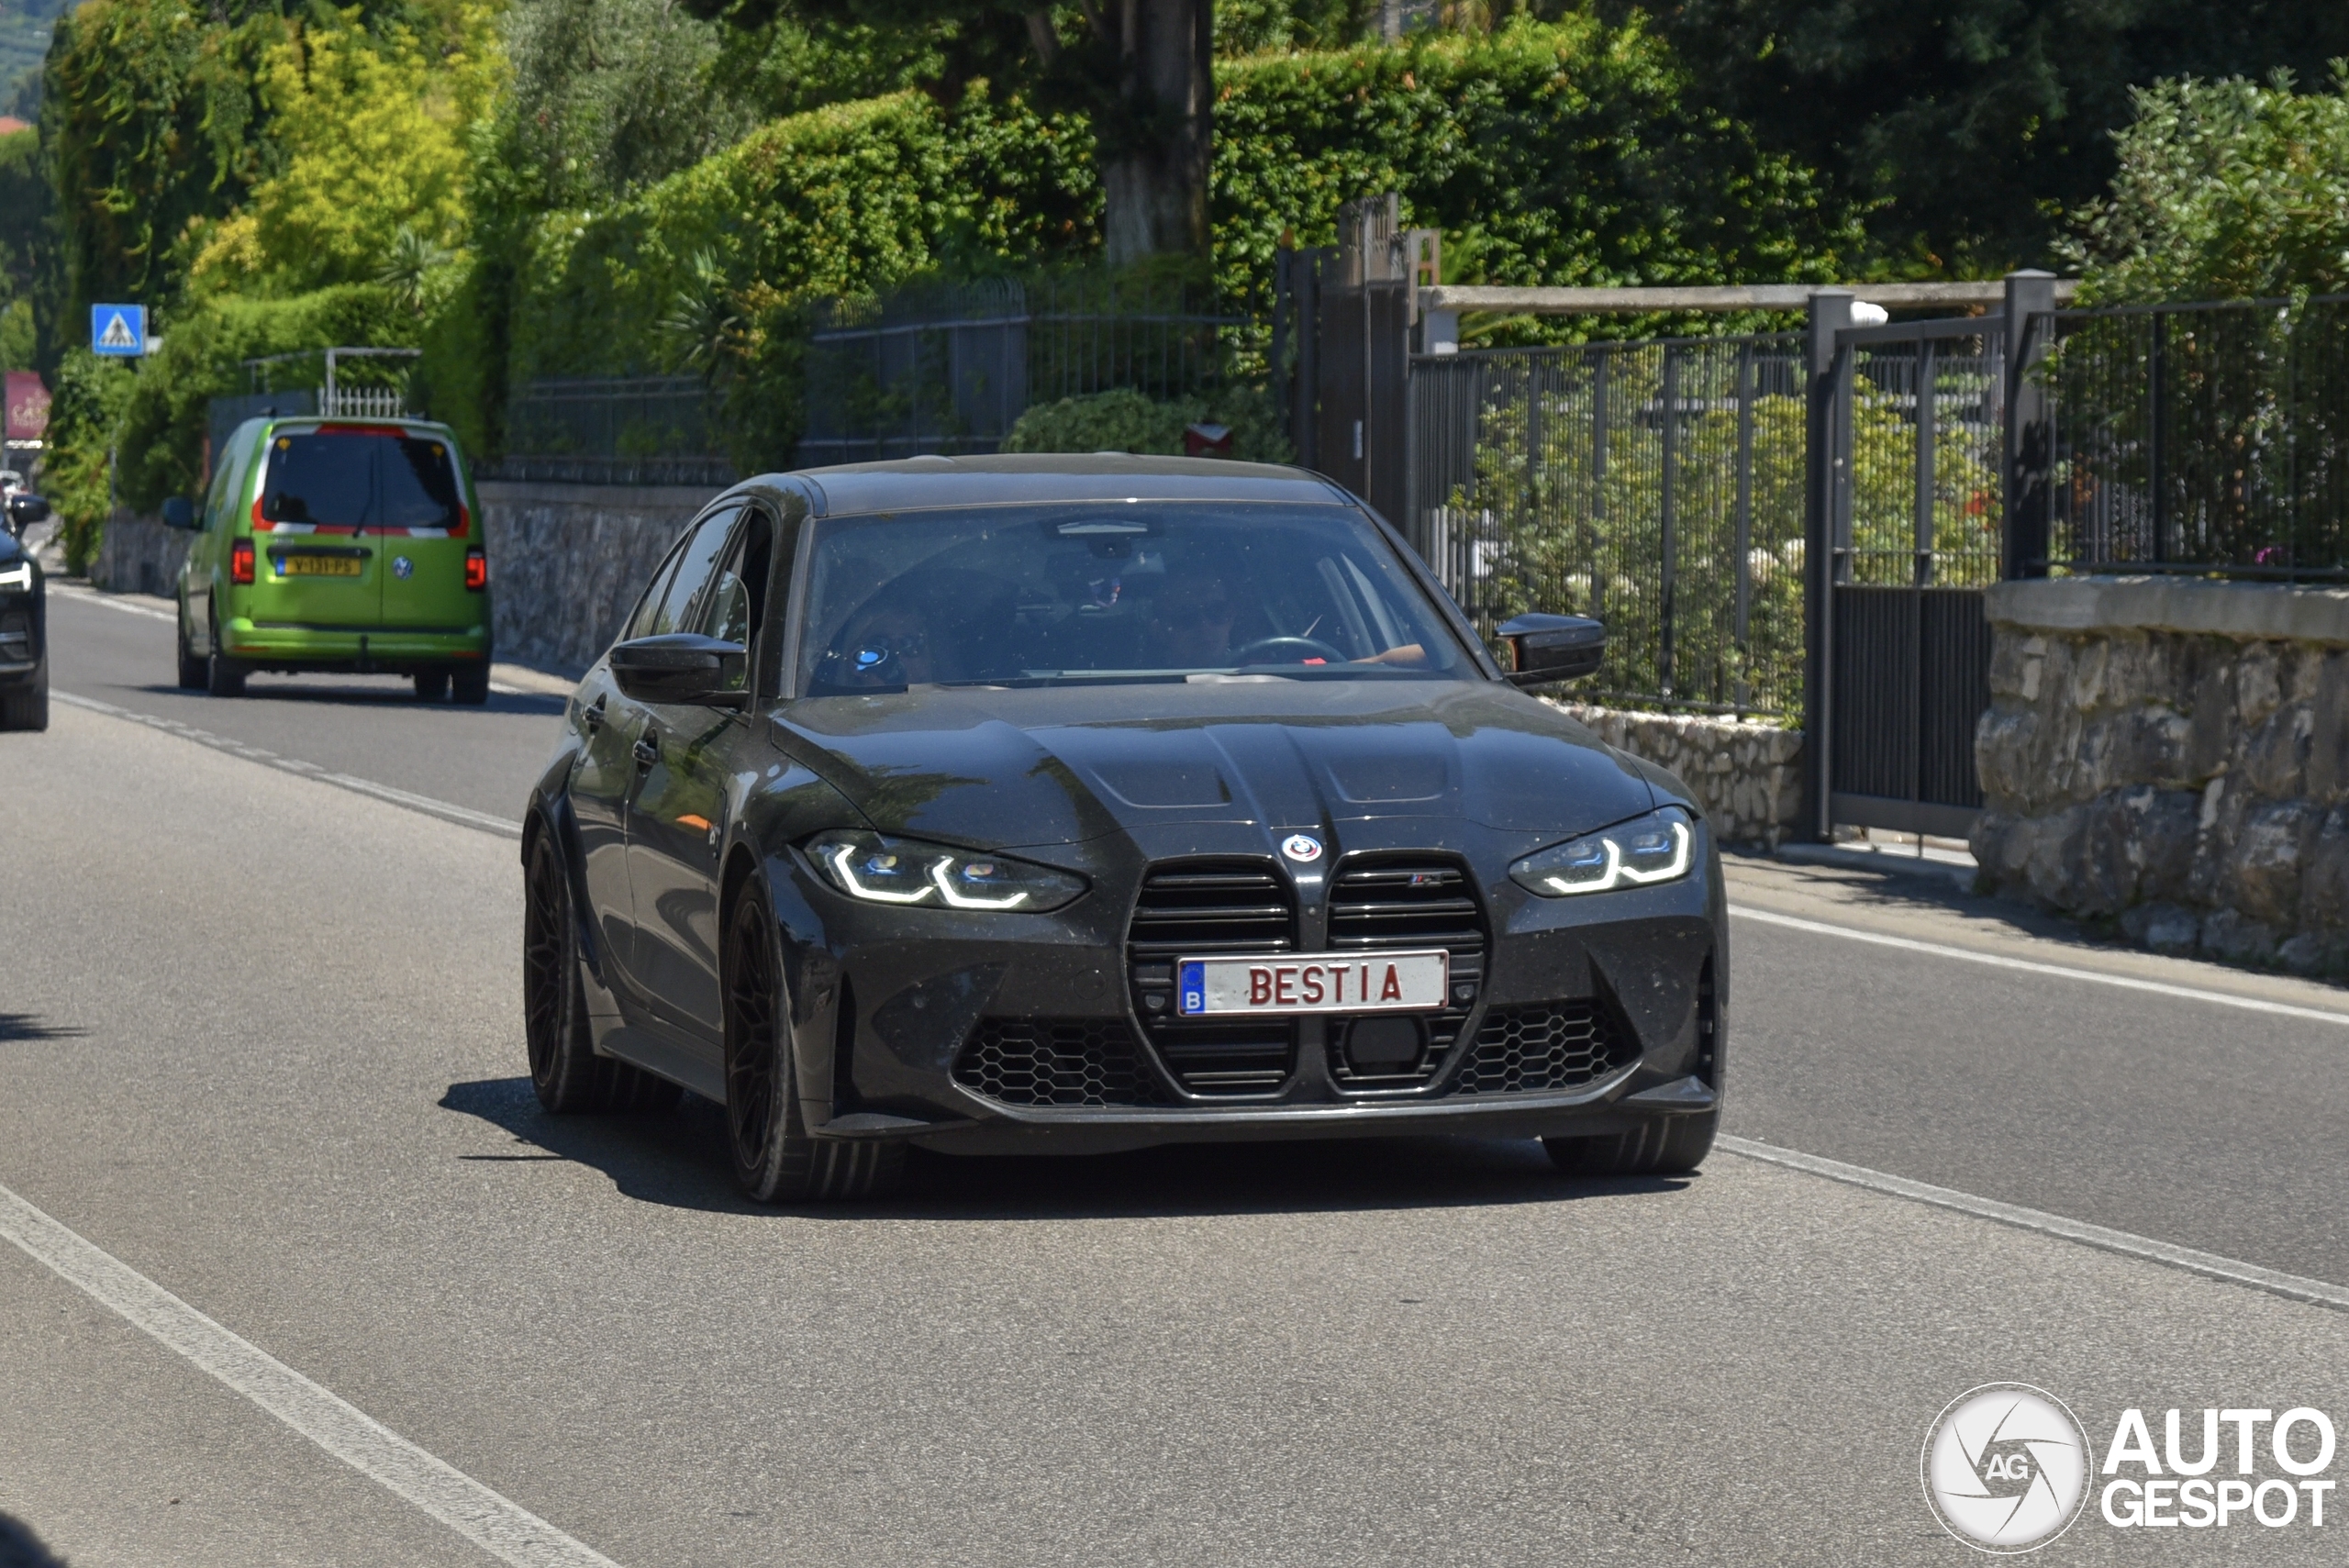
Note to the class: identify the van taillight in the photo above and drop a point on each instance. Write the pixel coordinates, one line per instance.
(240, 562)
(476, 569)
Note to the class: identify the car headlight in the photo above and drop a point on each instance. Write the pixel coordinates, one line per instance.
(1651, 849)
(879, 870)
(17, 577)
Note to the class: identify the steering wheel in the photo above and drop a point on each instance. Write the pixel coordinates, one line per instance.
(1312, 647)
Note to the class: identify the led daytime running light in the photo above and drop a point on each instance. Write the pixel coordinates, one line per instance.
(1618, 873)
(840, 856)
(964, 900)
(21, 575)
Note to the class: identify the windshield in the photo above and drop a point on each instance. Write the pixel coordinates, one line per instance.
(360, 478)
(1115, 591)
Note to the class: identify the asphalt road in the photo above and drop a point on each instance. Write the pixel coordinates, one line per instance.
(260, 1040)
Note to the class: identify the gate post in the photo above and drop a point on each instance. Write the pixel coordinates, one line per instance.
(2029, 442)
(1830, 311)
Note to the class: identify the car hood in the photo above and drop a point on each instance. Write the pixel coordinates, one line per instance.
(1059, 766)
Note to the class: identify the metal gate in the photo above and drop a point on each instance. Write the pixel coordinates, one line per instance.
(1909, 503)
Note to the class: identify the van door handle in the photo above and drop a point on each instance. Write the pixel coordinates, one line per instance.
(593, 718)
(646, 751)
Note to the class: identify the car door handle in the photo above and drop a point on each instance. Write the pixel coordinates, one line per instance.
(593, 718)
(646, 751)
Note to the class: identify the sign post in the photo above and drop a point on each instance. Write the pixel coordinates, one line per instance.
(118, 332)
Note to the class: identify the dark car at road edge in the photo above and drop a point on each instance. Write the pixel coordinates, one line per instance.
(1080, 803)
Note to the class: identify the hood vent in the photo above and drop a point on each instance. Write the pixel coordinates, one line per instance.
(1391, 901)
(1196, 908)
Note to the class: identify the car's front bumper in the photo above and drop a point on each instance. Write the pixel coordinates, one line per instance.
(895, 1003)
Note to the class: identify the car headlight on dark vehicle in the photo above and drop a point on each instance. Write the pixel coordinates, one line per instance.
(1658, 847)
(17, 577)
(874, 869)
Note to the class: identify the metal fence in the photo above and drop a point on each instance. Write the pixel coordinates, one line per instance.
(1657, 486)
(950, 368)
(1926, 428)
(612, 431)
(2198, 439)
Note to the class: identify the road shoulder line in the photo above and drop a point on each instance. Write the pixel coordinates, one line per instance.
(448, 811)
(499, 1526)
(2210, 1265)
(2032, 966)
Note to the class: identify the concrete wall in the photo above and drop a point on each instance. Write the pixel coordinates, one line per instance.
(2174, 754)
(1746, 775)
(566, 562)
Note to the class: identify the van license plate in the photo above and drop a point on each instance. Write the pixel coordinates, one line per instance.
(1309, 983)
(318, 566)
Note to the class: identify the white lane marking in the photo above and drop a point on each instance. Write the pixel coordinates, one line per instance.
(1995, 961)
(499, 1526)
(463, 815)
(2212, 1266)
(114, 602)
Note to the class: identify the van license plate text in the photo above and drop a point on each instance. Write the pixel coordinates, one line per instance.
(1308, 983)
(318, 566)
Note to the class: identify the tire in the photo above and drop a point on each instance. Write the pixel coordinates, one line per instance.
(568, 1075)
(774, 1158)
(26, 707)
(193, 675)
(470, 685)
(431, 685)
(223, 676)
(1665, 1146)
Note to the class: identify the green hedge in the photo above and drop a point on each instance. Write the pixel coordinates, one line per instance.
(1555, 153)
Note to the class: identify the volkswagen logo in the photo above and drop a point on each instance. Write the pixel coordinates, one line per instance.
(2006, 1467)
(403, 567)
(1302, 848)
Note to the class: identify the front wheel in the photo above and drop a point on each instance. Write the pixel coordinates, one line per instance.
(1666, 1146)
(564, 1068)
(774, 1158)
(26, 707)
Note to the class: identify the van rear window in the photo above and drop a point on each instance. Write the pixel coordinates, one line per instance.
(360, 479)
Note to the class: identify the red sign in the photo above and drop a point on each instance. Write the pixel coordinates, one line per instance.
(27, 406)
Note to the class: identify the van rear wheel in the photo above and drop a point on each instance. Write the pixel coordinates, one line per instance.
(223, 676)
(431, 685)
(470, 685)
(193, 674)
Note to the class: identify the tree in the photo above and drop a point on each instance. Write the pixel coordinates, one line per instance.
(1142, 70)
(1969, 127)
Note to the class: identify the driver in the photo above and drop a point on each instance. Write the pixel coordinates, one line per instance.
(1189, 624)
(888, 643)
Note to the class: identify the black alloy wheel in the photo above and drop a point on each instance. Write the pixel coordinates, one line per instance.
(774, 1158)
(193, 673)
(223, 676)
(1665, 1146)
(26, 706)
(564, 1068)
(470, 685)
(431, 685)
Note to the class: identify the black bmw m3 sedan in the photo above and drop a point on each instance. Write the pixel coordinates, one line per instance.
(1078, 804)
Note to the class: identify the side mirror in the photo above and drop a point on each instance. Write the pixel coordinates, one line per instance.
(1554, 647)
(680, 667)
(25, 508)
(178, 512)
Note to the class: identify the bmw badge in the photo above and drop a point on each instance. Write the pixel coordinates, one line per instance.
(1302, 848)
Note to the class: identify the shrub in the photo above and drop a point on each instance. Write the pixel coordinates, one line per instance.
(1124, 420)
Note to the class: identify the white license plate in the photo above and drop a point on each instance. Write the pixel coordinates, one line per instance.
(1309, 982)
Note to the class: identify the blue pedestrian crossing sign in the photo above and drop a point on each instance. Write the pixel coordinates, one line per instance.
(119, 329)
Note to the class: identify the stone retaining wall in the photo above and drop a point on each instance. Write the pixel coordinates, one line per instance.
(138, 555)
(2174, 754)
(1747, 774)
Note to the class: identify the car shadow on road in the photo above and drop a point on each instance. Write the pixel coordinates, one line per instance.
(676, 1159)
(28, 1026)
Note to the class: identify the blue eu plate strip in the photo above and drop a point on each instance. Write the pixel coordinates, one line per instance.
(1191, 989)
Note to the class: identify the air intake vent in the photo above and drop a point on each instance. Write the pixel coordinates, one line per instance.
(1396, 902)
(1047, 1061)
(1197, 908)
(1544, 1045)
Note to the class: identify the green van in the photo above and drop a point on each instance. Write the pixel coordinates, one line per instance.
(339, 545)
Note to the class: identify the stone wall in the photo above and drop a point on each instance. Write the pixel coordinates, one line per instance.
(1747, 774)
(2174, 754)
(138, 555)
(567, 562)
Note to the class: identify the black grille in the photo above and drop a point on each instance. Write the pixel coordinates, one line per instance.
(1046, 1061)
(1197, 908)
(1417, 902)
(1544, 1045)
